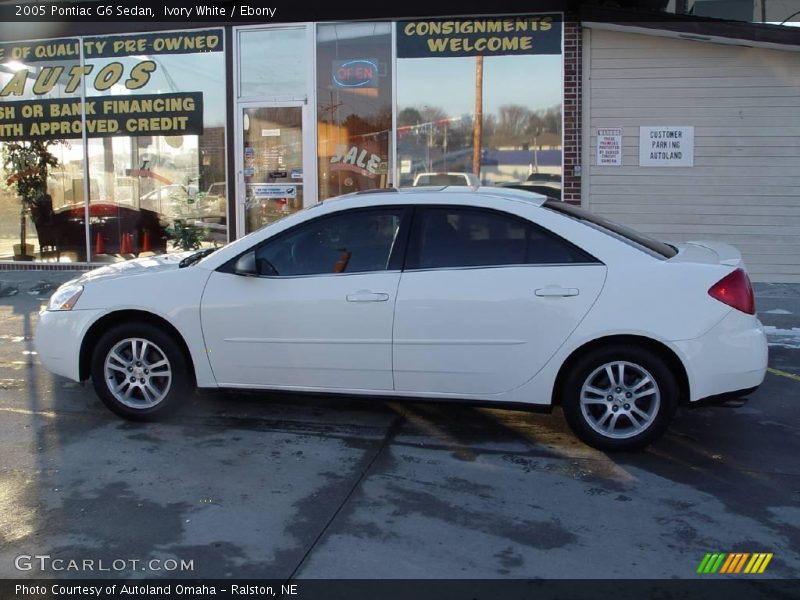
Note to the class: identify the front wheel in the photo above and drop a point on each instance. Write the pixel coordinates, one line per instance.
(619, 398)
(140, 372)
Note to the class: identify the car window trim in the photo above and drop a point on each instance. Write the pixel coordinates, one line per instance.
(508, 266)
(399, 250)
(405, 209)
(414, 247)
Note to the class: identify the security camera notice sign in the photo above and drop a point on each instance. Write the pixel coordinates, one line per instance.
(609, 147)
(666, 146)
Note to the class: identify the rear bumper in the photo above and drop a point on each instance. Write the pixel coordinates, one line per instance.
(723, 398)
(729, 359)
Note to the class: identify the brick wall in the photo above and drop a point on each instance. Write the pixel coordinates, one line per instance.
(572, 112)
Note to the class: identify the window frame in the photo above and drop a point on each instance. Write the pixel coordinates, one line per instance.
(413, 247)
(396, 253)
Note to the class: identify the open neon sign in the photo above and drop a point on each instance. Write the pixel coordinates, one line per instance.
(357, 73)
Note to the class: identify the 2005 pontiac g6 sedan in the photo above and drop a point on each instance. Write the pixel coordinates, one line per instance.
(489, 295)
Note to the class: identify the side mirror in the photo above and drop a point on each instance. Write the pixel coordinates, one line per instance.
(246, 265)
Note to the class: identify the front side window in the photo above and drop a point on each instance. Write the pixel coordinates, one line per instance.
(465, 237)
(350, 242)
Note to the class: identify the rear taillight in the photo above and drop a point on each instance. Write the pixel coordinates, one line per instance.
(735, 290)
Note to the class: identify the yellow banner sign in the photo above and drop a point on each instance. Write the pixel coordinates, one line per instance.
(145, 114)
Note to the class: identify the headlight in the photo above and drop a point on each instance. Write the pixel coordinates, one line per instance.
(65, 297)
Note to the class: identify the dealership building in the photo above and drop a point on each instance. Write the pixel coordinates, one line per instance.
(120, 141)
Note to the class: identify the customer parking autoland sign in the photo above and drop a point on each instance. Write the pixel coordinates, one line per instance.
(666, 146)
(134, 115)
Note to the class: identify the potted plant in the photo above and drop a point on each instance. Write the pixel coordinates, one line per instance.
(185, 236)
(26, 164)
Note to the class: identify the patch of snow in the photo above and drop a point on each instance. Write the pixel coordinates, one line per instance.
(786, 338)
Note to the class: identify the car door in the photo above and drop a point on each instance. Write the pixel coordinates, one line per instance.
(485, 300)
(317, 310)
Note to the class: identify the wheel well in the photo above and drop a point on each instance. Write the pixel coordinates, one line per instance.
(673, 362)
(126, 316)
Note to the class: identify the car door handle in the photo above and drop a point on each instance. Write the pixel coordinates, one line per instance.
(557, 291)
(367, 296)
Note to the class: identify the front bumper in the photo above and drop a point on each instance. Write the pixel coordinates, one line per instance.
(58, 339)
(731, 357)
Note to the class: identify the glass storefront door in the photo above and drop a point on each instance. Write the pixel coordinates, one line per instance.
(271, 163)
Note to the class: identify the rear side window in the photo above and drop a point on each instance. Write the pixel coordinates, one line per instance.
(614, 229)
(466, 237)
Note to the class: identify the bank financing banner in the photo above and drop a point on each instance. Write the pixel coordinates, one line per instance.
(134, 115)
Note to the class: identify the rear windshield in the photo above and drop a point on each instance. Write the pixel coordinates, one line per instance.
(614, 229)
(441, 179)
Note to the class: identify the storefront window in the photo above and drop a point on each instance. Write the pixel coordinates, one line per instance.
(272, 64)
(273, 163)
(476, 100)
(514, 65)
(41, 171)
(272, 118)
(154, 118)
(161, 187)
(354, 107)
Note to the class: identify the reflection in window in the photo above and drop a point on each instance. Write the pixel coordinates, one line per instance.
(351, 242)
(51, 224)
(273, 164)
(354, 96)
(522, 124)
(151, 184)
(463, 237)
(153, 193)
(272, 64)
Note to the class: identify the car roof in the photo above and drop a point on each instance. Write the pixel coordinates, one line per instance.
(405, 194)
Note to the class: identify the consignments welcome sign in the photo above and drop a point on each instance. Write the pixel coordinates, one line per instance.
(535, 34)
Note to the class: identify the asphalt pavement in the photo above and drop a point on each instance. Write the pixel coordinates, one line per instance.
(281, 486)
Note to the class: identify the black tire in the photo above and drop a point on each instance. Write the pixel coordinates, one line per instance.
(174, 389)
(592, 365)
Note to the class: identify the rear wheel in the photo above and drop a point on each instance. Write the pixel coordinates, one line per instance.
(619, 398)
(140, 372)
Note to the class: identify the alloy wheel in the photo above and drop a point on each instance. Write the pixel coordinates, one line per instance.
(620, 399)
(138, 373)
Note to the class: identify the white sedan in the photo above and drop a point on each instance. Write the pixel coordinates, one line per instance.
(488, 295)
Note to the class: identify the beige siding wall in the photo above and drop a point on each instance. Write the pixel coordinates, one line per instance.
(744, 103)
